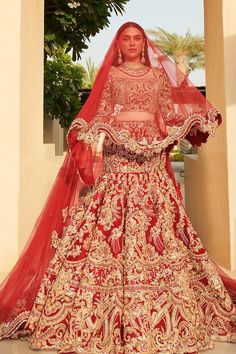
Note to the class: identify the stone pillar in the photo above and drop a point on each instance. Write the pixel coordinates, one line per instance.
(210, 180)
(10, 61)
(28, 167)
(38, 163)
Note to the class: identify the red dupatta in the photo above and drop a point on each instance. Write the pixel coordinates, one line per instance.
(183, 112)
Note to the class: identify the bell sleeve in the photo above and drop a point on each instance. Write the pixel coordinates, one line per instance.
(80, 127)
(185, 112)
(165, 101)
(82, 146)
(105, 105)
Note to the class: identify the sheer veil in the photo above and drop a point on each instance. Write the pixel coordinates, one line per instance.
(183, 112)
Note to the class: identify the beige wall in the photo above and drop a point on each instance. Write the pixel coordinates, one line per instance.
(210, 186)
(9, 133)
(38, 163)
(28, 167)
(229, 16)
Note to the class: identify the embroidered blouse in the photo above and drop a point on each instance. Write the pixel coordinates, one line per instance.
(125, 93)
(148, 93)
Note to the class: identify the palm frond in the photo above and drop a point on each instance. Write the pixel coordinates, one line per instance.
(182, 48)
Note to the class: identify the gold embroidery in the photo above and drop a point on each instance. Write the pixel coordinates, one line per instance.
(135, 94)
(129, 273)
(165, 102)
(120, 134)
(151, 94)
(8, 329)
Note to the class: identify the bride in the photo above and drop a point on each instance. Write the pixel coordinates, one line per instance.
(113, 265)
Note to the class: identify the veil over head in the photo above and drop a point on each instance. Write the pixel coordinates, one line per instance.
(182, 112)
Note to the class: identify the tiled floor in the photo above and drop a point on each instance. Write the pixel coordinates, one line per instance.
(19, 347)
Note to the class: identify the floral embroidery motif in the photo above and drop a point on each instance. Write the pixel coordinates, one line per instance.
(135, 94)
(120, 134)
(130, 275)
(152, 94)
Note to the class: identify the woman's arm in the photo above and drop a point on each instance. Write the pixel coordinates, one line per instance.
(83, 153)
(185, 111)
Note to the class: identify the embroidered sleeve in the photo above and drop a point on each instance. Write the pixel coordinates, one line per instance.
(195, 127)
(105, 106)
(80, 128)
(165, 101)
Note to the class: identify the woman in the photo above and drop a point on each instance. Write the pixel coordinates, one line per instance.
(125, 271)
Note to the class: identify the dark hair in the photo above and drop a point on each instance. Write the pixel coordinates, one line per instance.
(127, 25)
(135, 25)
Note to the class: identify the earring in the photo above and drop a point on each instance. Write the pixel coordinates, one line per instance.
(119, 60)
(142, 57)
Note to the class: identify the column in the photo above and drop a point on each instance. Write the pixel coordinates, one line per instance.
(210, 180)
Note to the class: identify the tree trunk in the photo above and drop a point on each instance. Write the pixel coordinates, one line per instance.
(182, 63)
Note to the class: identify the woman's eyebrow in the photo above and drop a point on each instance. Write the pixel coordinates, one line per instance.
(136, 35)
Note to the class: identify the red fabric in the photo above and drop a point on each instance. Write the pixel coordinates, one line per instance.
(186, 98)
(200, 137)
(229, 282)
(80, 168)
(18, 291)
(171, 174)
(135, 264)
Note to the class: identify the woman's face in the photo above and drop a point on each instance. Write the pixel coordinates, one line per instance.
(131, 43)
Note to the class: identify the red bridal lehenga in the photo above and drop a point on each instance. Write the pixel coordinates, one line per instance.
(124, 272)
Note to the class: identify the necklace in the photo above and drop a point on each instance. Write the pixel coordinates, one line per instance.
(133, 69)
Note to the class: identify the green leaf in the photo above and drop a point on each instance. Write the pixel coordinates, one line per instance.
(75, 26)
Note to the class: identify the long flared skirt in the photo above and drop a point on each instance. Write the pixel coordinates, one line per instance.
(130, 274)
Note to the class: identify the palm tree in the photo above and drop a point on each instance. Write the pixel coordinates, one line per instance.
(187, 51)
(91, 72)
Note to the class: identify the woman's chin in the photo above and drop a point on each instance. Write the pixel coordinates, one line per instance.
(132, 57)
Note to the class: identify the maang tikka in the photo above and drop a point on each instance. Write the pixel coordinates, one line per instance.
(119, 60)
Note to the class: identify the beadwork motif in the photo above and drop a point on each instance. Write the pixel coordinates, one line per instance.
(120, 133)
(129, 274)
(130, 261)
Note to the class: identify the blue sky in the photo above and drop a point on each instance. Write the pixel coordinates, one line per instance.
(173, 15)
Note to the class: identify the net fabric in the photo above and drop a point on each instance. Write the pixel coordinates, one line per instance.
(182, 111)
(19, 289)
